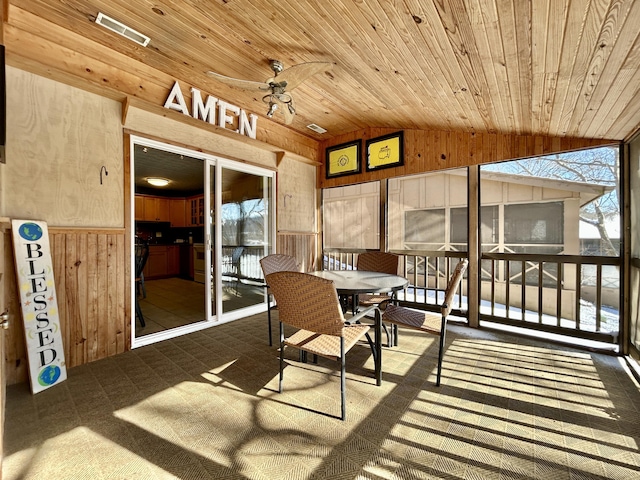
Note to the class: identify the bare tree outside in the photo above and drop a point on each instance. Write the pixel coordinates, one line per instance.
(598, 166)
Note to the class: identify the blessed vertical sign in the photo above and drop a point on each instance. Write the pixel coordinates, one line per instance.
(34, 271)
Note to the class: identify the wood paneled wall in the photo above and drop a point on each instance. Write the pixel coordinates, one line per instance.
(302, 246)
(92, 275)
(431, 150)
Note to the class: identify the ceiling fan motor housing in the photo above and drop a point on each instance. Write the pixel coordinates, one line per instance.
(276, 66)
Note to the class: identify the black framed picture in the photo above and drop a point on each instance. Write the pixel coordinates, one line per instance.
(343, 159)
(385, 152)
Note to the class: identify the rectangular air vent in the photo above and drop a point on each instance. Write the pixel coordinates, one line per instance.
(316, 128)
(122, 29)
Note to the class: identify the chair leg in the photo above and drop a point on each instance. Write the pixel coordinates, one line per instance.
(139, 313)
(343, 382)
(281, 357)
(269, 318)
(441, 352)
(373, 347)
(144, 290)
(389, 335)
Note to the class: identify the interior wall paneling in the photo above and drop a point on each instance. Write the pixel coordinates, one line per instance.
(91, 283)
(302, 246)
(433, 150)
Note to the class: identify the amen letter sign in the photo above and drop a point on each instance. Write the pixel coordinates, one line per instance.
(34, 272)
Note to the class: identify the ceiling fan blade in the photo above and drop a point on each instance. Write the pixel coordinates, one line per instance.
(286, 112)
(238, 83)
(297, 74)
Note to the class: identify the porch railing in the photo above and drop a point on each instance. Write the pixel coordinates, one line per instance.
(571, 295)
(428, 273)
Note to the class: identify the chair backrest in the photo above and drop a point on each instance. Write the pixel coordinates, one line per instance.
(452, 287)
(237, 253)
(307, 302)
(278, 262)
(382, 262)
(141, 255)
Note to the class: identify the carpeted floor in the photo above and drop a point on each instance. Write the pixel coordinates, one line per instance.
(206, 406)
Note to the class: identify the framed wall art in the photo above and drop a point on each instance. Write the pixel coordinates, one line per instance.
(385, 152)
(343, 159)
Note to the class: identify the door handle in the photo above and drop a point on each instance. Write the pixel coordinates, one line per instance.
(4, 320)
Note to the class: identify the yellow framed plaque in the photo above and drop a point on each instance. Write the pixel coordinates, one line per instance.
(343, 159)
(385, 152)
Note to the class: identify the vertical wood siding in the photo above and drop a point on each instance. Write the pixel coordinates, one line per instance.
(431, 150)
(302, 246)
(92, 276)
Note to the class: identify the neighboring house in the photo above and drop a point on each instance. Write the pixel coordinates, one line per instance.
(428, 213)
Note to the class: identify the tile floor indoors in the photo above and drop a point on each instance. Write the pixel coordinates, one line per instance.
(174, 302)
(205, 405)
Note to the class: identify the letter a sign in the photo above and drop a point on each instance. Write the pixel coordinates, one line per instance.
(38, 300)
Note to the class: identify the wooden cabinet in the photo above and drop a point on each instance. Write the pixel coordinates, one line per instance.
(196, 209)
(173, 260)
(138, 207)
(157, 262)
(163, 262)
(161, 209)
(164, 210)
(177, 212)
(156, 209)
(150, 209)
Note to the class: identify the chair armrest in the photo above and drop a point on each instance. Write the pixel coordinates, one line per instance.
(362, 314)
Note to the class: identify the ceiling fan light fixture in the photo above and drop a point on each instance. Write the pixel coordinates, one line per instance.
(158, 182)
(272, 108)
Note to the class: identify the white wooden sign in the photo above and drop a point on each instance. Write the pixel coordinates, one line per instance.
(207, 110)
(34, 271)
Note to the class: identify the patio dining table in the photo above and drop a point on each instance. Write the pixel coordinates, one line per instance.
(355, 282)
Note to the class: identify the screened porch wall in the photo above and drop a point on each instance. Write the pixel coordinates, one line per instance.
(634, 271)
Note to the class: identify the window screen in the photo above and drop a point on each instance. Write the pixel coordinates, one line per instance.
(534, 223)
(424, 226)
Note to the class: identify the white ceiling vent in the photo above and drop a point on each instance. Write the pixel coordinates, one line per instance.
(316, 128)
(122, 29)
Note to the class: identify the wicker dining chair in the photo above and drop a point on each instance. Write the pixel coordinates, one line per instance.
(276, 262)
(429, 322)
(311, 305)
(382, 262)
(141, 256)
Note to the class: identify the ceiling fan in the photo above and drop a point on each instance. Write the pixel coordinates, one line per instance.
(278, 87)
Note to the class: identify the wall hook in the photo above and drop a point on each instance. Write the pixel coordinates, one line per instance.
(105, 173)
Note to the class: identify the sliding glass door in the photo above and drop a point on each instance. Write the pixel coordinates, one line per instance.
(205, 229)
(241, 232)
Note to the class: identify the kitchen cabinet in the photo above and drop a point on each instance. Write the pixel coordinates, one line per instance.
(156, 209)
(173, 260)
(157, 262)
(139, 207)
(178, 212)
(163, 262)
(196, 208)
(161, 209)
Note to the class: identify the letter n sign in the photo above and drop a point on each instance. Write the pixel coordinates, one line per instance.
(34, 274)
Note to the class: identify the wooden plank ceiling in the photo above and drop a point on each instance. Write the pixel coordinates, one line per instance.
(537, 67)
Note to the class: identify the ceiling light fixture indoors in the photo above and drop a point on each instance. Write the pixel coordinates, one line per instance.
(121, 29)
(158, 182)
